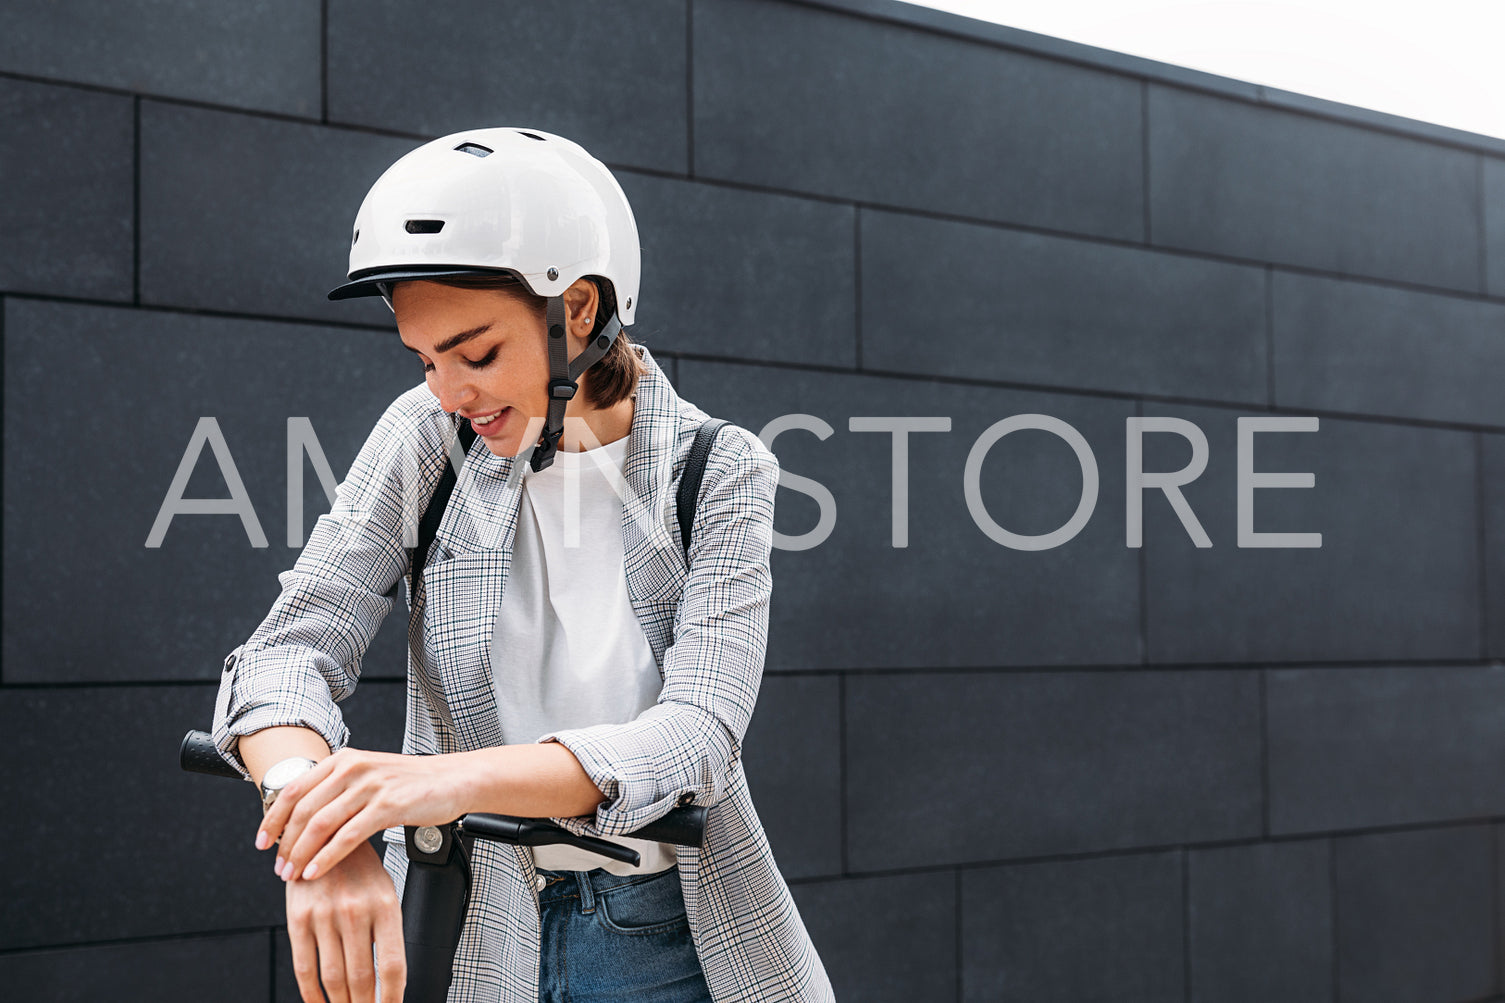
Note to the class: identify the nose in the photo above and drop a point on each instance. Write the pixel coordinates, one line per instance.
(454, 391)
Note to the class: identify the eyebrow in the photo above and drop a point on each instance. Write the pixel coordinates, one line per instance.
(454, 340)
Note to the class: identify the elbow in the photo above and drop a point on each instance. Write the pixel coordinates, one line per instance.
(673, 754)
(719, 748)
(708, 750)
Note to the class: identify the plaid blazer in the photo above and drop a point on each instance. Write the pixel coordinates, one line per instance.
(707, 627)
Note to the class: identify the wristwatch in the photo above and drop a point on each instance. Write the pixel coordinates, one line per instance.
(279, 775)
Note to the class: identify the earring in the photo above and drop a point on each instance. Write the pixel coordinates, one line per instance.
(588, 320)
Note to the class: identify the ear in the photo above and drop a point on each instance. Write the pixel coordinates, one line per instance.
(581, 300)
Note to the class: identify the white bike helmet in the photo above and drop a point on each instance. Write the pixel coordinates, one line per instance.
(519, 201)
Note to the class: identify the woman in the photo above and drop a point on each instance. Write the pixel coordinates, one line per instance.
(563, 660)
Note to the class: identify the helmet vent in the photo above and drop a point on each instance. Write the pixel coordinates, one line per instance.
(530, 135)
(424, 225)
(475, 149)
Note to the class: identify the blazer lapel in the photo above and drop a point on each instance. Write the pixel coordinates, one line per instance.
(650, 547)
(464, 587)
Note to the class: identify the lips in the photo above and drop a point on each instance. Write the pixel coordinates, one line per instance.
(492, 427)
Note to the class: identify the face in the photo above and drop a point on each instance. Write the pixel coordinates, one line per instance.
(485, 356)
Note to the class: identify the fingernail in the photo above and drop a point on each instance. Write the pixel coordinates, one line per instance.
(262, 839)
(310, 871)
(278, 869)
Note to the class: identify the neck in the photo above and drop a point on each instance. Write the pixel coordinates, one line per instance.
(595, 426)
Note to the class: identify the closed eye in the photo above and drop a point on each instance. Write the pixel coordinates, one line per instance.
(482, 363)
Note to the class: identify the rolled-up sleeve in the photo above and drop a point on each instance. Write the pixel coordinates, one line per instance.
(305, 656)
(680, 750)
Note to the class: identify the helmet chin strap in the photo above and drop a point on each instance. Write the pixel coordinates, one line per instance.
(563, 375)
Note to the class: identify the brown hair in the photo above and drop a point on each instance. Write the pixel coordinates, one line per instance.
(615, 376)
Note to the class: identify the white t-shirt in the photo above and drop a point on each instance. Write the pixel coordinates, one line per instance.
(568, 651)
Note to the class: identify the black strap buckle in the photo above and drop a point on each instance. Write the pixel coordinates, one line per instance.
(548, 445)
(562, 389)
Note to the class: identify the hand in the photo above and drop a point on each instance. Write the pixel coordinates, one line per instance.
(332, 924)
(349, 797)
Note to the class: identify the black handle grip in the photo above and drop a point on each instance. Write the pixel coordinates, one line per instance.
(199, 754)
(540, 832)
(684, 825)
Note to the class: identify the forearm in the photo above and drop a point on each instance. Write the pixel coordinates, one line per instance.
(542, 780)
(263, 749)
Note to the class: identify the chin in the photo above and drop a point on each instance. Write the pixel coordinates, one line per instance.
(501, 446)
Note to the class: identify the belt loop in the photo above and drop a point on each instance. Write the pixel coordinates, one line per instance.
(587, 893)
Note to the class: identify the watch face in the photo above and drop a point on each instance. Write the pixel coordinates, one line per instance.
(283, 773)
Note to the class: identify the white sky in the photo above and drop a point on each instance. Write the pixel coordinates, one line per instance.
(1440, 61)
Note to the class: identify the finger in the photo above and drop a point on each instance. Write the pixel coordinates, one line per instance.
(391, 959)
(315, 834)
(276, 818)
(311, 813)
(358, 829)
(331, 957)
(360, 970)
(305, 956)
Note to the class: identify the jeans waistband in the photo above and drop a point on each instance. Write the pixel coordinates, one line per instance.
(586, 885)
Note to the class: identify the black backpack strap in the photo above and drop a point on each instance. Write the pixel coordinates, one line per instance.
(689, 481)
(428, 528)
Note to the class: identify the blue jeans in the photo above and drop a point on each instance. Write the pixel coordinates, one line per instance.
(613, 937)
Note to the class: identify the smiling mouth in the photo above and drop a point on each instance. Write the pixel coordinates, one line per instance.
(488, 424)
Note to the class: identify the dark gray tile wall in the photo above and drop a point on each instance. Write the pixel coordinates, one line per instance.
(983, 604)
(885, 939)
(176, 853)
(1415, 916)
(1499, 895)
(1492, 455)
(978, 302)
(608, 75)
(784, 97)
(262, 56)
(271, 234)
(285, 980)
(1083, 772)
(66, 207)
(1396, 577)
(960, 767)
(1359, 748)
(1074, 930)
(1232, 178)
(232, 969)
(792, 755)
(782, 289)
(76, 532)
(1261, 923)
(1494, 224)
(1378, 350)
